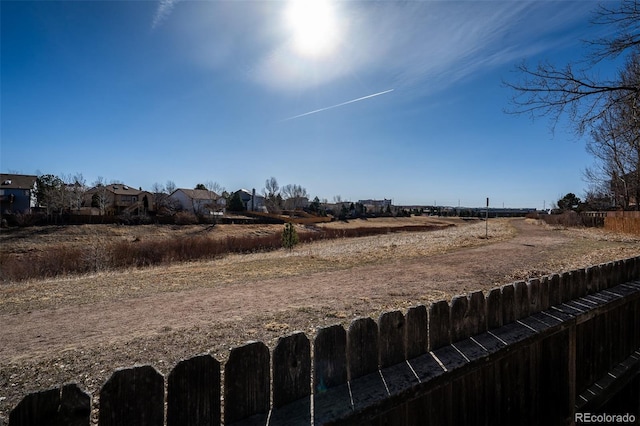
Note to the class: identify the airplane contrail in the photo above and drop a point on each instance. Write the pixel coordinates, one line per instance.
(338, 105)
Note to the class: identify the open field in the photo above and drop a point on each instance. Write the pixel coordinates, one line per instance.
(79, 329)
(54, 251)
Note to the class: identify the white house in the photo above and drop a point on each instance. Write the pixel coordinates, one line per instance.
(199, 201)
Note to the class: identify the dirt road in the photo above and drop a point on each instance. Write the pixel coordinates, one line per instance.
(84, 342)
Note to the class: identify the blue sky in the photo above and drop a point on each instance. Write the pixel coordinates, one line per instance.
(361, 99)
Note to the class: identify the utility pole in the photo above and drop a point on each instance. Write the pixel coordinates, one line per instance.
(486, 221)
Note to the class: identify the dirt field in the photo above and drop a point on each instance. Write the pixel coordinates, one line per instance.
(80, 329)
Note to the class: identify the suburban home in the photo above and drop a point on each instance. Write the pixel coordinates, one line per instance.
(199, 201)
(17, 193)
(117, 198)
(296, 203)
(252, 201)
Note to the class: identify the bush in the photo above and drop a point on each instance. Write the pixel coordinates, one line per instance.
(289, 236)
(185, 218)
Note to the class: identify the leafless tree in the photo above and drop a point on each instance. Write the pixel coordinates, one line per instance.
(215, 192)
(271, 193)
(615, 144)
(170, 187)
(101, 197)
(295, 196)
(76, 187)
(576, 90)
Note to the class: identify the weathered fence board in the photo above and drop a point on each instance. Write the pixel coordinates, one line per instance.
(58, 407)
(416, 337)
(331, 398)
(521, 298)
(291, 368)
(391, 327)
(133, 396)
(508, 303)
(247, 383)
(458, 318)
(362, 347)
(494, 308)
(439, 329)
(193, 392)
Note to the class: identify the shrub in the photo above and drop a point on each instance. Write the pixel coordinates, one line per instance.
(289, 236)
(185, 218)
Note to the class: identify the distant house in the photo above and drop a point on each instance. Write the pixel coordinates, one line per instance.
(117, 198)
(296, 203)
(17, 193)
(198, 201)
(252, 201)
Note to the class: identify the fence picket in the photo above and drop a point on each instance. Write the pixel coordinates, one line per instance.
(508, 303)
(521, 298)
(193, 392)
(133, 396)
(331, 398)
(494, 308)
(69, 406)
(291, 368)
(416, 337)
(362, 347)
(438, 324)
(247, 383)
(544, 293)
(391, 337)
(554, 290)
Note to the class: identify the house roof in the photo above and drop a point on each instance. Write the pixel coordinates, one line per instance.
(199, 194)
(119, 189)
(244, 193)
(11, 181)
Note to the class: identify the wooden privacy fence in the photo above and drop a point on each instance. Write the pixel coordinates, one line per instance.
(531, 352)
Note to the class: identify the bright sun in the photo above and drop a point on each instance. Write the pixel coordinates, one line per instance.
(314, 27)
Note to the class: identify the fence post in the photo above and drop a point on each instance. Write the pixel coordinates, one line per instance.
(193, 392)
(133, 396)
(291, 369)
(247, 383)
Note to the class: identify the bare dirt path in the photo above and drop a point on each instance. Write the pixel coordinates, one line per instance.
(84, 342)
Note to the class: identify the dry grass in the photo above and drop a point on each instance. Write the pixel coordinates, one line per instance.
(317, 256)
(35, 253)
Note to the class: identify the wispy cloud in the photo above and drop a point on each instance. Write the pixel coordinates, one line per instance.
(162, 13)
(338, 105)
(420, 46)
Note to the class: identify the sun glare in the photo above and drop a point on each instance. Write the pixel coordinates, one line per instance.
(314, 27)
